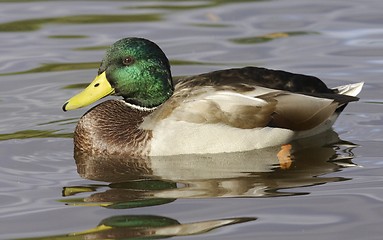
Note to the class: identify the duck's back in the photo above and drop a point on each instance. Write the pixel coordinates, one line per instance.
(250, 77)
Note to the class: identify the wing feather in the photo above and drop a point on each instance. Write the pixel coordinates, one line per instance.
(224, 107)
(301, 112)
(246, 110)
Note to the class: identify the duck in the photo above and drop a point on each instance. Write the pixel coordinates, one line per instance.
(231, 110)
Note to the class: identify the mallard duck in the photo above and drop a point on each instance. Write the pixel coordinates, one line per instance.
(230, 110)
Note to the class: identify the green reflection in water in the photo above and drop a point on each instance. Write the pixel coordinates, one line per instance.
(60, 122)
(93, 48)
(268, 37)
(67, 36)
(35, 24)
(56, 67)
(76, 86)
(211, 25)
(26, 134)
(190, 6)
(175, 7)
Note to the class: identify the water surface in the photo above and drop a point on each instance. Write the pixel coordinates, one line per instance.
(50, 49)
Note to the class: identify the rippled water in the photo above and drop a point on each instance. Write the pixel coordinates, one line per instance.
(50, 49)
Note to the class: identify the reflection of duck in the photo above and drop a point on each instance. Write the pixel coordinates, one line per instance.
(146, 227)
(254, 173)
(224, 111)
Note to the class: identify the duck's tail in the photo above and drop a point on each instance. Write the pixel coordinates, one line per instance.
(344, 95)
(350, 89)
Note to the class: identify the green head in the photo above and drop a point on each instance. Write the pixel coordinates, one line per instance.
(134, 68)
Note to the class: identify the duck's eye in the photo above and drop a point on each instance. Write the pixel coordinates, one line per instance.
(127, 61)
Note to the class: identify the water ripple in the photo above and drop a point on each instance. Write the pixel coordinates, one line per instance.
(50, 49)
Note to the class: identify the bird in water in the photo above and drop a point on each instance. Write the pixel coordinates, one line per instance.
(229, 110)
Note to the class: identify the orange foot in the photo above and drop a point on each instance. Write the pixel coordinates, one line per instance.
(284, 156)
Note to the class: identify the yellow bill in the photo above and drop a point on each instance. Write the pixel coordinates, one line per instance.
(99, 88)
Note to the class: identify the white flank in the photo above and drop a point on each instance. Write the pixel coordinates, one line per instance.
(178, 137)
